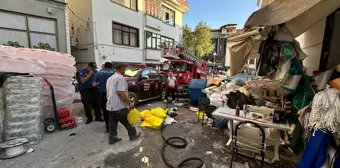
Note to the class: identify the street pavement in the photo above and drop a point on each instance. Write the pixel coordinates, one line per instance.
(89, 148)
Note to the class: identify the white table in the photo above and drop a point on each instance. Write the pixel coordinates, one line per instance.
(228, 113)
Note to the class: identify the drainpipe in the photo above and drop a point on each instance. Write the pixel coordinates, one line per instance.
(143, 37)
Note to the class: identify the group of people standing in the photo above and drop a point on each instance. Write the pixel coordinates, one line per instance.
(107, 90)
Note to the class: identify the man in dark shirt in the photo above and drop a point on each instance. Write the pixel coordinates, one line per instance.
(100, 81)
(90, 93)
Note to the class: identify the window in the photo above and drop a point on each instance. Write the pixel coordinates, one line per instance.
(152, 8)
(153, 40)
(124, 35)
(146, 74)
(154, 74)
(132, 4)
(168, 16)
(229, 30)
(26, 31)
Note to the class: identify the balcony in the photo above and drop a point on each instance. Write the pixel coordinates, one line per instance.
(181, 5)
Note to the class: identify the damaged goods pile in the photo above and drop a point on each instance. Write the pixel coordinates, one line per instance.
(45, 68)
(24, 103)
(153, 118)
(57, 68)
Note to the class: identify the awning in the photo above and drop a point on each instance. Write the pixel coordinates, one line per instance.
(299, 15)
(241, 47)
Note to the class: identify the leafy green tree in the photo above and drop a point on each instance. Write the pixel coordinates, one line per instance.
(188, 38)
(199, 40)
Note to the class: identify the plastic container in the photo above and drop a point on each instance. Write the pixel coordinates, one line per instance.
(196, 86)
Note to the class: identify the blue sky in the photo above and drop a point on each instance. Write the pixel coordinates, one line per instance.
(217, 13)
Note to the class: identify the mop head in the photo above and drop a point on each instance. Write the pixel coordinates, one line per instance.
(325, 113)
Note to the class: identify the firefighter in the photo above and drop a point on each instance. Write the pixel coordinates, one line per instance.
(90, 93)
(172, 87)
(100, 81)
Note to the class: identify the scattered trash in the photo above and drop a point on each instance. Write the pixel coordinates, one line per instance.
(149, 106)
(145, 160)
(169, 121)
(138, 153)
(173, 114)
(30, 150)
(200, 115)
(218, 146)
(178, 104)
(208, 153)
(154, 118)
(194, 109)
(72, 134)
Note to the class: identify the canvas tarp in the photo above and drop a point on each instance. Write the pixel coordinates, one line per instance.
(241, 47)
(299, 15)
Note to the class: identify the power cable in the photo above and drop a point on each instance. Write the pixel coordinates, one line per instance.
(76, 14)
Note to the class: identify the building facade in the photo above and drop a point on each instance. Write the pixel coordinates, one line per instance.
(124, 30)
(219, 40)
(35, 24)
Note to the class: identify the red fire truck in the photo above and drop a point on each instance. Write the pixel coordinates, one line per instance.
(184, 65)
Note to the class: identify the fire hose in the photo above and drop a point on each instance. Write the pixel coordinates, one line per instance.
(179, 143)
(173, 141)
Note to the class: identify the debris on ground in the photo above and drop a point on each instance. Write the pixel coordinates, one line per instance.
(169, 121)
(30, 150)
(145, 160)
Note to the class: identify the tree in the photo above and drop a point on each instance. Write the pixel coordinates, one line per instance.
(188, 38)
(199, 40)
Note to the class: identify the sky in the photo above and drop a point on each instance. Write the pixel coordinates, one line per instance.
(217, 13)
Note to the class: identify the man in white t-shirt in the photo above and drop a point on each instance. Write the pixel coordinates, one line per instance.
(172, 86)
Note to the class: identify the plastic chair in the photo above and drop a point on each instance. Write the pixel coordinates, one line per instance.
(248, 147)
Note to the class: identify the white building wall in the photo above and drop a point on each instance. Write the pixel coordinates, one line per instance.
(104, 13)
(157, 26)
(311, 43)
(95, 33)
(81, 27)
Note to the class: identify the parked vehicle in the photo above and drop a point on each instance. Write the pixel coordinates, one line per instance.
(145, 83)
(185, 66)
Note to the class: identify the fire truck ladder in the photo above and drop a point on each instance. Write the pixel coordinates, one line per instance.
(191, 57)
(172, 52)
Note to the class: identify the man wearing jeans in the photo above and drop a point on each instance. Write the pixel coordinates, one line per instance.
(118, 104)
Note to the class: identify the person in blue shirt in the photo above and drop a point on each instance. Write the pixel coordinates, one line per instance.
(100, 81)
(90, 93)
